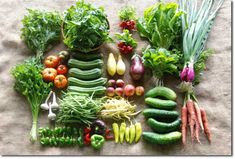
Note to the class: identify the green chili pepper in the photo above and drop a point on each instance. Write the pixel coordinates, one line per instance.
(122, 131)
(116, 132)
(97, 141)
(127, 134)
(132, 133)
(62, 141)
(42, 141)
(80, 141)
(67, 140)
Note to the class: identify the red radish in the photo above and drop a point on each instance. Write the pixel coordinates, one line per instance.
(205, 124)
(111, 83)
(119, 91)
(121, 44)
(139, 90)
(110, 91)
(120, 83)
(184, 124)
(129, 90)
(137, 67)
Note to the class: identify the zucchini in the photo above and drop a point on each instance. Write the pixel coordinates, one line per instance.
(164, 92)
(85, 74)
(162, 127)
(87, 56)
(162, 114)
(88, 83)
(99, 90)
(85, 65)
(167, 138)
(160, 104)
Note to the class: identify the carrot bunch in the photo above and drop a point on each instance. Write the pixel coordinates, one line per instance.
(194, 116)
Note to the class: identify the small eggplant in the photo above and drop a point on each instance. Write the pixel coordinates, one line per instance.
(137, 67)
(98, 127)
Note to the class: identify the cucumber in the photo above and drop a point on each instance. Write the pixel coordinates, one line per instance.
(88, 83)
(99, 90)
(164, 92)
(87, 56)
(162, 127)
(158, 113)
(160, 104)
(162, 139)
(85, 74)
(85, 65)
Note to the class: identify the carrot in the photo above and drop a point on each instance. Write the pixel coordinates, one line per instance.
(193, 117)
(205, 124)
(197, 130)
(184, 124)
(199, 117)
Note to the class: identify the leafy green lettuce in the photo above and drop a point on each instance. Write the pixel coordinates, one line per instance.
(161, 25)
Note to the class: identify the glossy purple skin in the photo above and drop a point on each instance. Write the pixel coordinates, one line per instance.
(137, 68)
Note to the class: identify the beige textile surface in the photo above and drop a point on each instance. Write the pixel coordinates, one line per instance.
(214, 91)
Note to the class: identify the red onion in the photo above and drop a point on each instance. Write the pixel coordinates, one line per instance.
(137, 67)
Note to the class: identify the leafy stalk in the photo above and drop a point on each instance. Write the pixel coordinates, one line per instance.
(29, 82)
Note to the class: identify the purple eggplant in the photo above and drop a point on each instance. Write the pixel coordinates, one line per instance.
(137, 67)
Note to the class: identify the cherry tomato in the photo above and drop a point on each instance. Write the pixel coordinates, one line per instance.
(60, 81)
(62, 69)
(49, 74)
(52, 61)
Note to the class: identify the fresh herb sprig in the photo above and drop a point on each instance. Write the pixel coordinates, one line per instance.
(127, 13)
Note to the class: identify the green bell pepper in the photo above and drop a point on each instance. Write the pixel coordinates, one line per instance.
(97, 141)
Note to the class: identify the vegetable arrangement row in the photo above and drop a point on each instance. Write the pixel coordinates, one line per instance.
(87, 99)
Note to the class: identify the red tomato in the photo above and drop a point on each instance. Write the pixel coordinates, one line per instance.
(62, 69)
(49, 74)
(52, 61)
(60, 81)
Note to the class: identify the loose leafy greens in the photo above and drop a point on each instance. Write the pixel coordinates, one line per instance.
(40, 29)
(161, 25)
(161, 61)
(126, 37)
(127, 13)
(29, 82)
(85, 27)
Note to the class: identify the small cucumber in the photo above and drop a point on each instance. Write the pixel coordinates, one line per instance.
(164, 92)
(85, 65)
(85, 74)
(88, 83)
(99, 90)
(158, 113)
(162, 139)
(87, 56)
(162, 127)
(160, 104)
